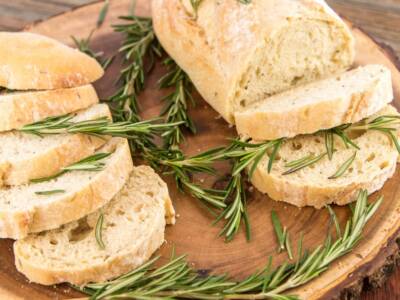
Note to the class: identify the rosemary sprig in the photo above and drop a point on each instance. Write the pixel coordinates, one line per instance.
(91, 163)
(302, 163)
(98, 231)
(176, 279)
(140, 133)
(84, 44)
(176, 103)
(139, 43)
(50, 192)
(344, 167)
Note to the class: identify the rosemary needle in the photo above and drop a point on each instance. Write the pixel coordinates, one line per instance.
(50, 192)
(302, 163)
(344, 167)
(98, 231)
(280, 233)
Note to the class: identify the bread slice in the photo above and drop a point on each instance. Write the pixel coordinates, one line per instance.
(20, 108)
(236, 53)
(375, 162)
(346, 98)
(31, 61)
(133, 228)
(22, 211)
(24, 156)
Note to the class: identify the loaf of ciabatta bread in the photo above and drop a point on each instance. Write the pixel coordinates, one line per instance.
(33, 207)
(374, 163)
(346, 98)
(237, 53)
(20, 108)
(133, 228)
(31, 61)
(25, 156)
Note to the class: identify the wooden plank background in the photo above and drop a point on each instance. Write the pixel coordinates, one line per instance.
(381, 19)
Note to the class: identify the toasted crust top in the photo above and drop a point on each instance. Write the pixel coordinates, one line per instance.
(34, 62)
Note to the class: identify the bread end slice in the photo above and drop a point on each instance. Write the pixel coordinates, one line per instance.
(133, 228)
(31, 61)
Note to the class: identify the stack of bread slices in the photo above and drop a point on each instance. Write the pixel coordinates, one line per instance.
(279, 70)
(54, 214)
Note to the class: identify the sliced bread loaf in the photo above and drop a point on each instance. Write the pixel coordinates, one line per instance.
(20, 108)
(238, 53)
(31, 61)
(31, 208)
(133, 228)
(346, 98)
(24, 156)
(374, 163)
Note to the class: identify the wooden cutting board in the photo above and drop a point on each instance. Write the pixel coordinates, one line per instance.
(193, 233)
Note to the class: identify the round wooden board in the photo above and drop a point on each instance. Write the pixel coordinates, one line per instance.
(193, 233)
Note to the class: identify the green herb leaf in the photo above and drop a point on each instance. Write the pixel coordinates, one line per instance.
(302, 163)
(98, 231)
(50, 192)
(280, 233)
(343, 168)
(102, 14)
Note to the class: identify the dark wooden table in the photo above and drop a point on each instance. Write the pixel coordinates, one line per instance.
(381, 19)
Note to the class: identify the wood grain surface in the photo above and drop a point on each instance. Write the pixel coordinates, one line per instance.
(362, 11)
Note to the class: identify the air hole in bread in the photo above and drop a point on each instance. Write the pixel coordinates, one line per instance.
(110, 225)
(120, 212)
(81, 232)
(384, 165)
(317, 140)
(296, 80)
(53, 242)
(297, 145)
(371, 157)
(351, 169)
(242, 103)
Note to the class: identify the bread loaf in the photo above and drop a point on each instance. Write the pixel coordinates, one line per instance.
(374, 163)
(24, 156)
(133, 228)
(345, 98)
(23, 211)
(237, 53)
(20, 108)
(35, 62)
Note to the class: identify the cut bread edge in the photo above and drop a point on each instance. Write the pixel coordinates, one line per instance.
(116, 264)
(72, 206)
(22, 108)
(73, 148)
(302, 193)
(310, 118)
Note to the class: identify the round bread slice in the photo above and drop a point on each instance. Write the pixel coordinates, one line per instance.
(31, 61)
(346, 98)
(237, 53)
(133, 228)
(374, 163)
(23, 210)
(20, 108)
(25, 156)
